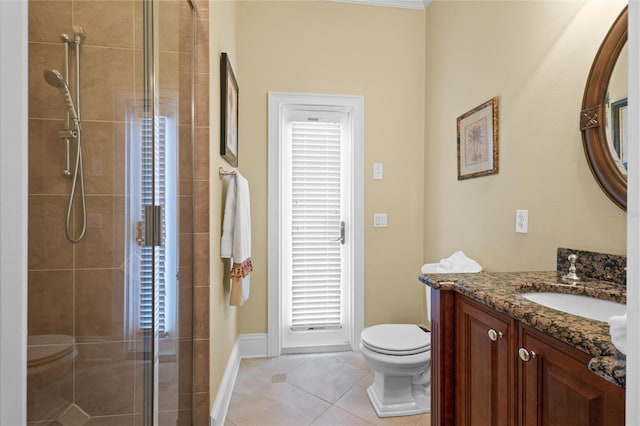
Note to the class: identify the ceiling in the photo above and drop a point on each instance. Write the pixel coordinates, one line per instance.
(405, 4)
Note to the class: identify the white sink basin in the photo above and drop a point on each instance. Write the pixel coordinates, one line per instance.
(584, 306)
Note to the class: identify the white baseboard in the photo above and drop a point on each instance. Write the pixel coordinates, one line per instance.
(247, 346)
(253, 345)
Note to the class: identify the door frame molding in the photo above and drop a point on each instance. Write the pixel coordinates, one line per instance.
(277, 101)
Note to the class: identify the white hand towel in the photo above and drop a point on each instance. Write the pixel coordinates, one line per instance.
(618, 330)
(458, 262)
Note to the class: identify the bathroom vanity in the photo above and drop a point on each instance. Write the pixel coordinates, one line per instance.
(501, 359)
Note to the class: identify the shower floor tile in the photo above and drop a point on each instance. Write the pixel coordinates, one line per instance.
(317, 389)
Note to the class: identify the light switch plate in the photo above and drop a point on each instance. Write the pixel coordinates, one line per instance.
(379, 220)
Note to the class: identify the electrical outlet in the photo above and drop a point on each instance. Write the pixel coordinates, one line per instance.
(378, 171)
(522, 221)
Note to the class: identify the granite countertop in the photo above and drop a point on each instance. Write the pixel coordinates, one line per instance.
(501, 291)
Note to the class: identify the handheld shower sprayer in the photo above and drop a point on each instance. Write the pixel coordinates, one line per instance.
(55, 79)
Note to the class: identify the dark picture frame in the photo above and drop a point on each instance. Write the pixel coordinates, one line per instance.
(619, 123)
(228, 112)
(477, 132)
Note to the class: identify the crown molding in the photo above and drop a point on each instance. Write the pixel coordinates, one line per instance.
(404, 4)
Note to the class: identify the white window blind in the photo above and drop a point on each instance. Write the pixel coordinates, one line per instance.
(315, 225)
(153, 193)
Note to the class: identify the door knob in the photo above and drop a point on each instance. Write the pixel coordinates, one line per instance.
(494, 335)
(526, 355)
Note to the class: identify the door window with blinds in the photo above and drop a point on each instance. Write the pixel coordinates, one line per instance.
(151, 271)
(315, 228)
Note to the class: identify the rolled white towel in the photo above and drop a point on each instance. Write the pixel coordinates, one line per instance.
(618, 330)
(458, 262)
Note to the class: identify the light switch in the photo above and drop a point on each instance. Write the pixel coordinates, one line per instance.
(379, 220)
(378, 171)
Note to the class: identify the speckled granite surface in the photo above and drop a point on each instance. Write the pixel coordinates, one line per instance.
(501, 291)
(595, 266)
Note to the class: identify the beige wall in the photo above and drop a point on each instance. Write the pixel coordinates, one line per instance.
(535, 56)
(224, 324)
(327, 47)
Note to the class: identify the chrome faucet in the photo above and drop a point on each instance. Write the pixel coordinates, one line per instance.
(572, 276)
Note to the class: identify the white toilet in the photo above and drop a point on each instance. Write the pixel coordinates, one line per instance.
(400, 356)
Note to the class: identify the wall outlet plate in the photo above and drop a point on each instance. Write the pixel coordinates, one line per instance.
(522, 221)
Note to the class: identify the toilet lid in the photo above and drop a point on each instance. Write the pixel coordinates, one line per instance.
(396, 339)
(48, 347)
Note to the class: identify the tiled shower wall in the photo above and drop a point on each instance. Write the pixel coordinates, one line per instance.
(79, 290)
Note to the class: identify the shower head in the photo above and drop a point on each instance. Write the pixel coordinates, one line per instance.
(55, 79)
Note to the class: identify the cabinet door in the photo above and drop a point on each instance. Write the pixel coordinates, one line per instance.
(485, 365)
(557, 387)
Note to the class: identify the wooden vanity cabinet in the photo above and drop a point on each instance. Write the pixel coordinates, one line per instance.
(485, 365)
(479, 377)
(557, 388)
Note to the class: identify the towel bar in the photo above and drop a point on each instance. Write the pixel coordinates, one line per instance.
(222, 173)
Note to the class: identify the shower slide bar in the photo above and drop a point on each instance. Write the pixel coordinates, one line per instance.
(72, 115)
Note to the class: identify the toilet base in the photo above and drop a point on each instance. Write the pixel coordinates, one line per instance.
(419, 403)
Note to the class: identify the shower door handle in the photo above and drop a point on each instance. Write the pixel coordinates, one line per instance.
(341, 237)
(152, 226)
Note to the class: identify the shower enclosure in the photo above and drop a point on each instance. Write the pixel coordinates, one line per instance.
(110, 298)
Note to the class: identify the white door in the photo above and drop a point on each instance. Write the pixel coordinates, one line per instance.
(316, 222)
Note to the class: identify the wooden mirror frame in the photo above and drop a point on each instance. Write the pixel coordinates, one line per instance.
(596, 147)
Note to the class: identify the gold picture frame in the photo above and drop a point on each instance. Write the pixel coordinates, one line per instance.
(477, 132)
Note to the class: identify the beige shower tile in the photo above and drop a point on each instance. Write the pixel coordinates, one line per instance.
(186, 250)
(202, 100)
(185, 220)
(185, 33)
(201, 189)
(48, 395)
(185, 152)
(201, 259)
(48, 246)
(103, 151)
(201, 365)
(50, 302)
(47, 157)
(103, 246)
(185, 89)
(44, 100)
(169, 25)
(201, 312)
(185, 373)
(169, 72)
(107, 80)
(99, 304)
(185, 311)
(125, 420)
(201, 408)
(104, 378)
(107, 23)
(202, 153)
(202, 8)
(202, 46)
(49, 19)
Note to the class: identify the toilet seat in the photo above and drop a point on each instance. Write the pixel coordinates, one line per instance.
(47, 348)
(396, 339)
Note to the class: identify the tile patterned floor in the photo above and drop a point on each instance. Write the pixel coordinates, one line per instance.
(299, 390)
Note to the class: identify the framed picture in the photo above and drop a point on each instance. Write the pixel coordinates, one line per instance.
(229, 112)
(619, 115)
(478, 141)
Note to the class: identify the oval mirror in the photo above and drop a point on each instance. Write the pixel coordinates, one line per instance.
(603, 115)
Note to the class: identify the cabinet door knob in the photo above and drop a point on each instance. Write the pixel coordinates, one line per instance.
(526, 355)
(494, 335)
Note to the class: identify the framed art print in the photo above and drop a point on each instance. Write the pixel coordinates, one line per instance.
(478, 141)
